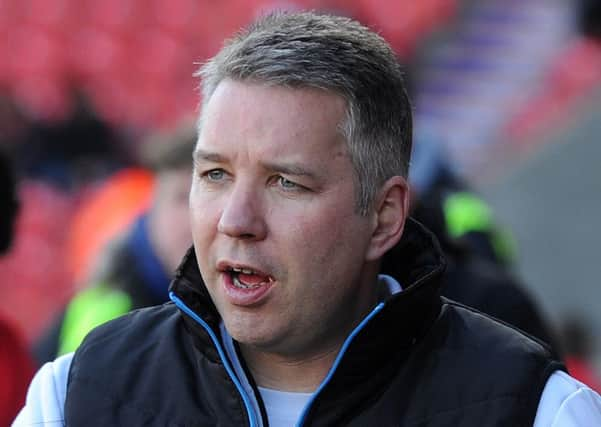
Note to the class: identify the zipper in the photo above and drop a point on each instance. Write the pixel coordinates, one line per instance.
(339, 357)
(248, 406)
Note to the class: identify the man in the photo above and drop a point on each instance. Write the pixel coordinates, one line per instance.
(135, 270)
(478, 270)
(299, 199)
(443, 201)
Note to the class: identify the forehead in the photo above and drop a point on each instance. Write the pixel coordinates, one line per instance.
(240, 113)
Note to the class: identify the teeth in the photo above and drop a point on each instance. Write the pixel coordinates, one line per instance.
(242, 270)
(239, 284)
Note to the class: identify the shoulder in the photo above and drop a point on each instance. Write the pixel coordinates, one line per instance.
(496, 366)
(132, 337)
(45, 400)
(496, 352)
(113, 356)
(148, 323)
(567, 402)
(131, 368)
(89, 308)
(490, 334)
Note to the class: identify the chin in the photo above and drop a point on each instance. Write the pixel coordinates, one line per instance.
(249, 331)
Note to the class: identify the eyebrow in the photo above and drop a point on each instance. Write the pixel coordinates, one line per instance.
(207, 156)
(291, 169)
(284, 168)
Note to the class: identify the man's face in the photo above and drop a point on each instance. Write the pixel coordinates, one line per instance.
(277, 237)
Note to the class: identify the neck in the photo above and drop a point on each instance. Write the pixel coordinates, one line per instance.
(287, 373)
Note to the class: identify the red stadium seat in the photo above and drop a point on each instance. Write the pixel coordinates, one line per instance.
(35, 279)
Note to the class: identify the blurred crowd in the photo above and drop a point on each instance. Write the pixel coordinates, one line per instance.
(97, 106)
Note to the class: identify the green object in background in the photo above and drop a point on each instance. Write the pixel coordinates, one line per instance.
(504, 245)
(465, 212)
(88, 309)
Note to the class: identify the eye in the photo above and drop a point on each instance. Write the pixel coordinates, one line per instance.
(215, 174)
(287, 184)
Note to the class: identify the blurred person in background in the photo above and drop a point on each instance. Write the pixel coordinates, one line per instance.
(14, 126)
(590, 19)
(16, 366)
(478, 251)
(134, 271)
(447, 203)
(280, 315)
(578, 344)
(73, 150)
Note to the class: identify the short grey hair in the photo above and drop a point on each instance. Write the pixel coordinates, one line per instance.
(335, 54)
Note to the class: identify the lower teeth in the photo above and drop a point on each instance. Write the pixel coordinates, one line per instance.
(241, 285)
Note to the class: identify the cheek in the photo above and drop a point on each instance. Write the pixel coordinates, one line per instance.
(325, 238)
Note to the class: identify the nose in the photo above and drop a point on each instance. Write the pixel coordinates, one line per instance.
(242, 216)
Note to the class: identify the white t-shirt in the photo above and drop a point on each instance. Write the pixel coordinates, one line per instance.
(283, 407)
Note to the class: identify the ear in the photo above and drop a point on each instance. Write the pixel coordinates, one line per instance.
(391, 209)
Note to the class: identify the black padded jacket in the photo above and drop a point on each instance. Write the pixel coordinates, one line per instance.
(418, 360)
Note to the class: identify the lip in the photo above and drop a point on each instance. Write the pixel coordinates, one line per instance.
(224, 266)
(243, 297)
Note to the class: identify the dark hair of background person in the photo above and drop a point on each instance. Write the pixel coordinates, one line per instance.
(80, 148)
(169, 149)
(590, 18)
(9, 202)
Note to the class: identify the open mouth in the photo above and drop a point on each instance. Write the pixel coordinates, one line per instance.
(247, 278)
